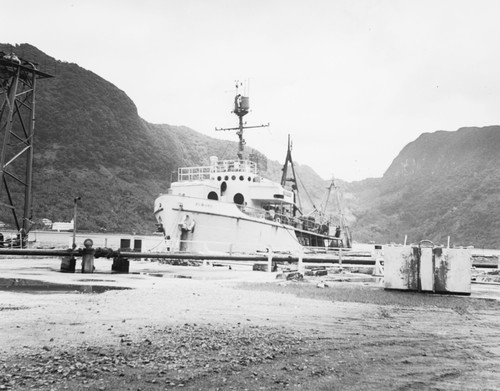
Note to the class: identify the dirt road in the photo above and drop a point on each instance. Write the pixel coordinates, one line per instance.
(235, 329)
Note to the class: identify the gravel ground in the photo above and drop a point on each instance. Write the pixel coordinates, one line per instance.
(220, 329)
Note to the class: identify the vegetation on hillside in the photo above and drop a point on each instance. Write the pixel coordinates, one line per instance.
(442, 184)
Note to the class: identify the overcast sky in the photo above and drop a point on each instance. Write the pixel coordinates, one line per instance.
(352, 81)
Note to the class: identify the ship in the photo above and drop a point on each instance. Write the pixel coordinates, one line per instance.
(228, 207)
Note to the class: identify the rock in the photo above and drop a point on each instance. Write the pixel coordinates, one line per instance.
(316, 273)
(294, 276)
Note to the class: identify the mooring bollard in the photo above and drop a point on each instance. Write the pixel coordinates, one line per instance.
(68, 264)
(88, 257)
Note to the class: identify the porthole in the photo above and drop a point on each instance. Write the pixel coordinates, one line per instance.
(239, 199)
(226, 178)
(249, 179)
(233, 177)
(242, 177)
(219, 178)
(213, 196)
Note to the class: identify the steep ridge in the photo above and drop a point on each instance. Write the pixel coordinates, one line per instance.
(442, 184)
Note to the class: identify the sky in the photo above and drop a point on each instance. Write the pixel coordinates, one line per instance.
(351, 81)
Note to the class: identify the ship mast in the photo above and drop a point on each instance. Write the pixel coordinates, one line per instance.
(241, 108)
(293, 178)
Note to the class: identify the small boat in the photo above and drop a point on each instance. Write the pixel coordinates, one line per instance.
(227, 206)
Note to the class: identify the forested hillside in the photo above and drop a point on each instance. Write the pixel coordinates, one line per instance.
(442, 184)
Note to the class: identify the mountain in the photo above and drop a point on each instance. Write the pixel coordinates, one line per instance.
(442, 184)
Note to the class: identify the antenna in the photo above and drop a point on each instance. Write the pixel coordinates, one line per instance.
(241, 108)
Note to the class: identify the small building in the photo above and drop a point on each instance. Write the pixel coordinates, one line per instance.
(62, 226)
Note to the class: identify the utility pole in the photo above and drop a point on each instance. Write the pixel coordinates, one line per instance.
(74, 220)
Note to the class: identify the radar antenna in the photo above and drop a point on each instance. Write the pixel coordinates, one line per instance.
(241, 108)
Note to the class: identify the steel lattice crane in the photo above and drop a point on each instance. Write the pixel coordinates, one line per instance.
(18, 79)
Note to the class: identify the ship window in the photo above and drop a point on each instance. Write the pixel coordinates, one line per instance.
(213, 196)
(249, 179)
(233, 177)
(223, 188)
(239, 199)
(219, 178)
(226, 178)
(242, 177)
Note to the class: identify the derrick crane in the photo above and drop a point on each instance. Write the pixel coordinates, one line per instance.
(292, 179)
(343, 225)
(18, 79)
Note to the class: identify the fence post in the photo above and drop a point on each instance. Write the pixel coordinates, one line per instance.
(300, 263)
(269, 259)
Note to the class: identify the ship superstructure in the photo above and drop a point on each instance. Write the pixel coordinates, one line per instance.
(227, 206)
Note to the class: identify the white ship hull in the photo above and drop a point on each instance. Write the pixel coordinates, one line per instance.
(202, 225)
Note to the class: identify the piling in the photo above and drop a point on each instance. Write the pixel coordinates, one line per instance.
(88, 256)
(120, 265)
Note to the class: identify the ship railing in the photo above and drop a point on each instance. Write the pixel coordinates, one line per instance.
(277, 217)
(264, 214)
(186, 174)
(252, 212)
(235, 166)
(309, 225)
(200, 173)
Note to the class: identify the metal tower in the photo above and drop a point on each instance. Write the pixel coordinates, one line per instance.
(17, 126)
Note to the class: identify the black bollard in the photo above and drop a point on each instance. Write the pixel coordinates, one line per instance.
(68, 264)
(120, 265)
